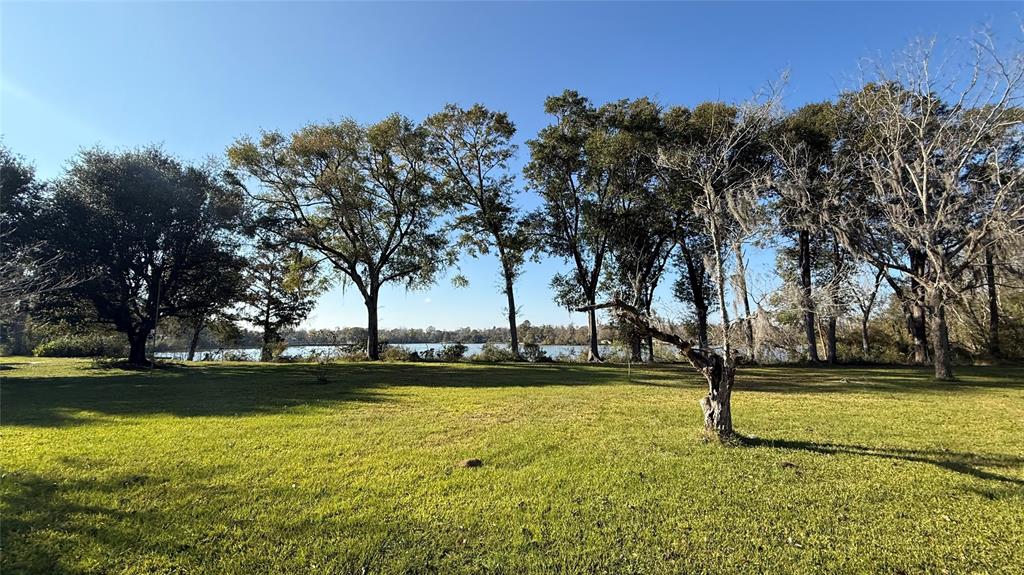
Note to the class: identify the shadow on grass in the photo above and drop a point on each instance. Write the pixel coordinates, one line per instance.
(243, 389)
(229, 389)
(956, 461)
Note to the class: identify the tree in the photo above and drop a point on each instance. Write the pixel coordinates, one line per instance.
(718, 371)
(471, 148)
(865, 294)
(569, 168)
(710, 148)
(641, 229)
(28, 271)
(693, 285)
(282, 287)
(360, 196)
(941, 157)
(806, 169)
(147, 230)
(220, 288)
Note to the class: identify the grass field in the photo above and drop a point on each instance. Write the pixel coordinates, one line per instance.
(243, 468)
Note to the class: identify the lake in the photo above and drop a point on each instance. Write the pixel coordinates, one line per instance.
(253, 353)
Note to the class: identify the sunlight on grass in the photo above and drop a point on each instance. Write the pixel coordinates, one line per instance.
(239, 468)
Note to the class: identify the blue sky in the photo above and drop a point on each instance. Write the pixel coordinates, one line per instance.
(195, 76)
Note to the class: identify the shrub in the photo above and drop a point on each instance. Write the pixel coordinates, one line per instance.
(429, 354)
(84, 345)
(234, 355)
(533, 352)
(493, 353)
(397, 353)
(452, 352)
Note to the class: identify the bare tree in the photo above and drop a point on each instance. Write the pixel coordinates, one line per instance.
(864, 293)
(939, 154)
(713, 148)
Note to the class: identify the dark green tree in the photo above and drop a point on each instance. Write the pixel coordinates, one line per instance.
(149, 233)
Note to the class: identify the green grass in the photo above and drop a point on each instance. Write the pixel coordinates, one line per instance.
(242, 468)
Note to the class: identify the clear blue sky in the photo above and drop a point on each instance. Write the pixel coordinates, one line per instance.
(195, 76)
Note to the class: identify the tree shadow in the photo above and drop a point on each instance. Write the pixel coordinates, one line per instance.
(964, 463)
(887, 379)
(245, 389)
(45, 520)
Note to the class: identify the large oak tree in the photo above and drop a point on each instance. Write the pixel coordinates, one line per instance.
(361, 196)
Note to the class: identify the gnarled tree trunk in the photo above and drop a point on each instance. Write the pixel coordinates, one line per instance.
(718, 371)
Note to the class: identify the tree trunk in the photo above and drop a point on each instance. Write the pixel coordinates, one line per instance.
(137, 347)
(864, 335)
(918, 311)
(741, 283)
(717, 370)
(940, 336)
(594, 353)
(804, 248)
(720, 288)
(830, 342)
(269, 338)
(372, 339)
(717, 404)
(512, 326)
(650, 349)
(695, 277)
(194, 342)
(635, 348)
(993, 306)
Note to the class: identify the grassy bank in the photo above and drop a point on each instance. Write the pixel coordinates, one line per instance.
(244, 468)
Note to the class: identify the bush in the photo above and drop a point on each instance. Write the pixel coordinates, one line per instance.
(232, 355)
(397, 353)
(84, 345)
(493, 353)
(452, 352)
(533, 352)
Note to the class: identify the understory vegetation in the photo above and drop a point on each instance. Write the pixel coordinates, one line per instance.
(357, 468)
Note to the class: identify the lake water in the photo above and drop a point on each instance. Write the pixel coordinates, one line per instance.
(553, 351)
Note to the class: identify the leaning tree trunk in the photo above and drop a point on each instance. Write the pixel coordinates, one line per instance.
(830, 342)
(718, 371)
(864, 335)
(194, 342)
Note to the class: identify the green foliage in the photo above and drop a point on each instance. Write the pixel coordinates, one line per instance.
(534, 353)
(83, 345)
(494, 353)
(397, 353)
(151, 234)
(452, 352)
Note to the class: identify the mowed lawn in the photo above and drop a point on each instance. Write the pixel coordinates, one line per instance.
(245, 468)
